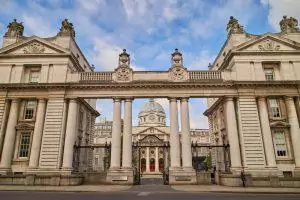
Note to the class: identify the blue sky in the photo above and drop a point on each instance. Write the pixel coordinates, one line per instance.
(149, 30)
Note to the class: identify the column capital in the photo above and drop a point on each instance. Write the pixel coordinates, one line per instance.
(261, 98)
(228, 98)
(172, 99)
(128, 99)
(184, 99)
(15, 100)
(73, 100)
(42, 100)
(289, 97)
(117, 99)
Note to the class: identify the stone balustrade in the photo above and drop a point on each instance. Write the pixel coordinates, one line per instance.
(139, 76)
(200, 75)
(96, 76)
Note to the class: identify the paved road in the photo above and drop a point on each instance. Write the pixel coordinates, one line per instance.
(137, 194)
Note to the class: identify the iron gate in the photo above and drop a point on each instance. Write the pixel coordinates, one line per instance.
(91, 158)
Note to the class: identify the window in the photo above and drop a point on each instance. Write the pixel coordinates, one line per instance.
(280, 144)
(274, 106)
(34, 76)
(29, 109)
(269, 74)
(24, 145)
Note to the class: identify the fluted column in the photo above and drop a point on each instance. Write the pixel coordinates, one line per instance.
(185, 134)
(4, 123)
(10, 136)
(232, 133)
(147, 160)
(294, 129)
(156, 160)
(266, 132)
(37, 134)
(127, 135)
(71, 131)
(116, 136)
(174, 136)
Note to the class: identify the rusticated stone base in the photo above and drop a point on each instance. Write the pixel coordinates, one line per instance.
(179, 176)
(204, 178)
(120, 176)
(267, 181)
(31, 179)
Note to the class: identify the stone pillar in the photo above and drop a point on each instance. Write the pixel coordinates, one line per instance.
(233, 136)
(174, 136)
(116, 136)
(185, 135)
(10, 136)
(156, 160)
(4, 123)
(127, 136)
(37, 134)
(266, 131)
(71, 132)
(294, 130)
(147, 160)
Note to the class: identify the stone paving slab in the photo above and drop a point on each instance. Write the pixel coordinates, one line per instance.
(226, 189)
(79, 188)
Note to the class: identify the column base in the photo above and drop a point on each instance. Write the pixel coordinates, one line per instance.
(182, 176)
(5, 171)
(120, 176)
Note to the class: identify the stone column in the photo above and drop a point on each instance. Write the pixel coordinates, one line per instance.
(294, 129)
(10, 136)
(127, 135)
(116, 136)
(185, 134)
(174, 136)
(156, 160)
(147, 160)
(266, 131)
(4, 123)
(232, 133)
(37, 134)
(71, 132)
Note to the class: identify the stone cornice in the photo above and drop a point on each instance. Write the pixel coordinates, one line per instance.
(152, 84)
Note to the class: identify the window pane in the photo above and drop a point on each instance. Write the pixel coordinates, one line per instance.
(269, 73)
(274, 107)
(29, 109)
(24, 144)
(34, 76)
(280, 144)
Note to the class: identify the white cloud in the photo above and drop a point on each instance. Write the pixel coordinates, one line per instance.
(200, 61)
(37, 26)
(279, 8)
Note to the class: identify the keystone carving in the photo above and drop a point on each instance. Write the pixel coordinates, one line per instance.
(34, 48)
(268, 46)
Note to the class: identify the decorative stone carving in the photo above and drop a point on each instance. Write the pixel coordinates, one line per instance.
(66, 29)
(233, 26)
(177, 72)
(289, 25)
(14, 29)
(34, 48)
(151, 140)
(268, 45)
(123, 73)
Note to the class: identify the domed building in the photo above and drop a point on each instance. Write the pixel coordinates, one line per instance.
(151, 135)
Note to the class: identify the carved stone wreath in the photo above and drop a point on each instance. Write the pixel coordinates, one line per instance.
(268, 46)
(123, 74)
(178, 73)
(34, 48)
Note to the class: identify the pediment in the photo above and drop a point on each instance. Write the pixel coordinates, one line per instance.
(268, 43)
(151, 140)
(33, 45)
(25, 126)
(279, 124)
(151, 130)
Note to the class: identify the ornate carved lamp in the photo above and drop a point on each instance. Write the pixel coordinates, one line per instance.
(123, 73)
(289, 25)
(233, 27)
(177, 72)
(14, 29)
(66, 29)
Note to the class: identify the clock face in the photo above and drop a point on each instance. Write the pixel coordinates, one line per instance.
(152, 117)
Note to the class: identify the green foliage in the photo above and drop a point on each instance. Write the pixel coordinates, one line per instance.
(208, 161)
